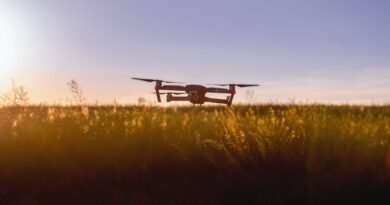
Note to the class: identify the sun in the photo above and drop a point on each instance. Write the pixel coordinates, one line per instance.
(13, 43)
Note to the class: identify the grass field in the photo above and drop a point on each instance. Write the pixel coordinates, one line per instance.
(270, 154)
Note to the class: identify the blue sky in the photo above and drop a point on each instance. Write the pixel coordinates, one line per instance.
(330, 51)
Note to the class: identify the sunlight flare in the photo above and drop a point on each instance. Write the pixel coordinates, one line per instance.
(14, 44)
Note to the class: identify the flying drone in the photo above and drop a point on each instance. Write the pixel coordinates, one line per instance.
(196, 94)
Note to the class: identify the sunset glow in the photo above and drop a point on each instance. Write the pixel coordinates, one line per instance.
(13, 45)
(321, 59)
(194, 102)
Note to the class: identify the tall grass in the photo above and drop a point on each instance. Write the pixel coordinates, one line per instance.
(245, 154)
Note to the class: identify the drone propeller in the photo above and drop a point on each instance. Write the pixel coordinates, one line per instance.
(238, 85)
(153, 80)
(170, 93)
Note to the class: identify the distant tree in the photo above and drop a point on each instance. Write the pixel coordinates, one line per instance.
(141, 101)
(77, 91)
(250, 95)
(16, 96)
(115, 102)
(20, 96)
(5, 98)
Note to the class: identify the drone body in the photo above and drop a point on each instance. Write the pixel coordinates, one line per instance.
(196, 94)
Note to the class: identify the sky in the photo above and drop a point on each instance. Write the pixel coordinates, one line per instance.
(310, 51)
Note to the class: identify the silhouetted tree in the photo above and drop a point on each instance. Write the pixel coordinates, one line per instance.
(5, 98)
(20, 96)
(250, 95)
(77, 91)
(141, 101)
(17, 96)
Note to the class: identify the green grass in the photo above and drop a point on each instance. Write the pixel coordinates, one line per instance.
(277, 154)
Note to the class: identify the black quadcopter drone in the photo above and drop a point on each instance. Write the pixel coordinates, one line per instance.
(196, 94)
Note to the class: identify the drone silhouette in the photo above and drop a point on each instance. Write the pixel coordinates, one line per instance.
(196, 94)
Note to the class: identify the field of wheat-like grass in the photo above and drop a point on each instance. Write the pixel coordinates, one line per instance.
(272, 154)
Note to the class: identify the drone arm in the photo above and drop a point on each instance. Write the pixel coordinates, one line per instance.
(218, 90)
(232, 89)
(230, 100)
(215, 100)
(173, 87)
(158, 95)
(174, 98)
(157, 88)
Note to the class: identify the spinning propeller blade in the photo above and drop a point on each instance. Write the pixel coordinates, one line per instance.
(144, 79)
(170, 93)
(153, 80)
(246, 85)
(238, 85)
